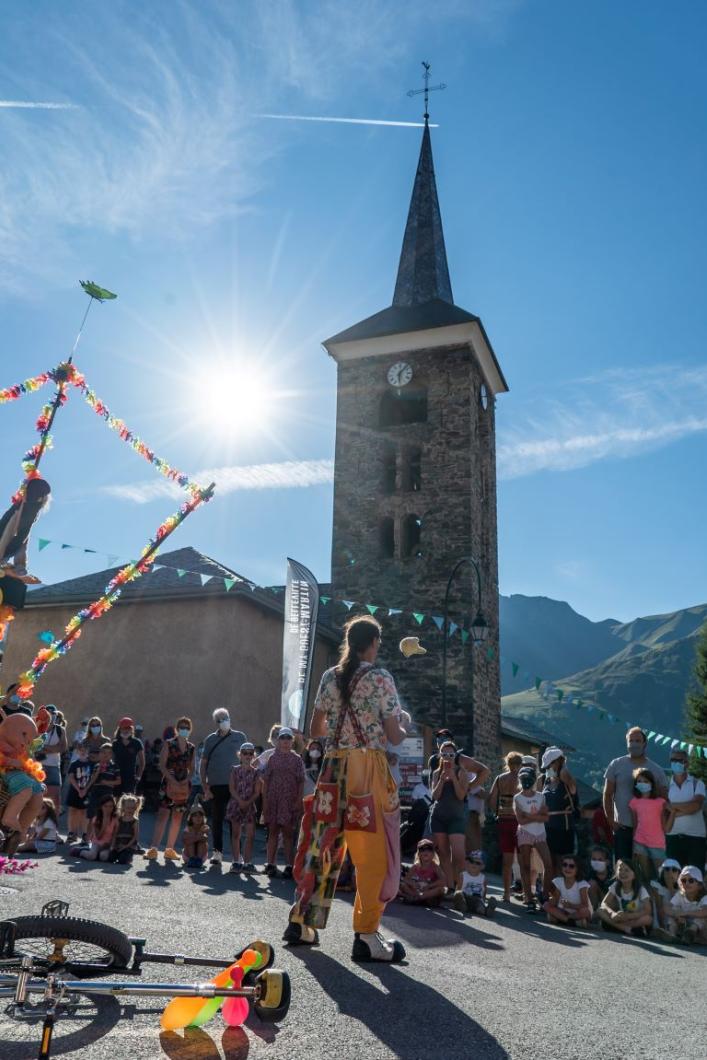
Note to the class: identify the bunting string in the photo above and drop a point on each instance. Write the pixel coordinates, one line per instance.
(12, 393)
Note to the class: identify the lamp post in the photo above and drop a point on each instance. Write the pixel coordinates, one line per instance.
(479, 633)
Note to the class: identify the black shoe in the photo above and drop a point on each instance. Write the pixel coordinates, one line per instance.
(531, 906)
(376, 948)
(271, 870)
(300, 935)
(287, 872)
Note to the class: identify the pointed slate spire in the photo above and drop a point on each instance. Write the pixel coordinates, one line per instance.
(423, 273)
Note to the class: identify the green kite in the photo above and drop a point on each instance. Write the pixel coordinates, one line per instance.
(94, 291)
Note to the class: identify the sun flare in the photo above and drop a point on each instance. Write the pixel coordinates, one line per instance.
(235, 401)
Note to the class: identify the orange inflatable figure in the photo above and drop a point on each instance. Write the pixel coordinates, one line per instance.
(21, 774)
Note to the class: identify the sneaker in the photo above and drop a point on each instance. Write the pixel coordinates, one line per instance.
(216, 857)
(71, 838)
(300, 935)
(271, 870)
(663, 935)
(531, 906)
(374, 947)
(459, 902)
(287, 872)
(237, 866)
(491, 907)
(249, 867)
(171, 854)
(151, 854)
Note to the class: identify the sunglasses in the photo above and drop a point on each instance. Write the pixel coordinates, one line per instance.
(247, 754)
(473, 861)
(670, 869)
(689, 879)
(569, 865)
(447, 754)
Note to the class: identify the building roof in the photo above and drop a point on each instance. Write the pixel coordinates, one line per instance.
(523, 730)
(166, 583)
(398, 319)
(423, 273)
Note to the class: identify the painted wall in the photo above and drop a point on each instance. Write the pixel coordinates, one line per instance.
(155, 660)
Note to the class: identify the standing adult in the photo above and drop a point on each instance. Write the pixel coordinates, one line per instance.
(128, 755)
(221, 749)
(559, 789)
(95, 738)
(55, 746)
(355, 803)
(618, 789)
(450, 784)
(686, 841)
(500, 802)
(176, 763)
(283, 788)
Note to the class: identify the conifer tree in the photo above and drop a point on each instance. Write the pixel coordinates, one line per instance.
(697, 708)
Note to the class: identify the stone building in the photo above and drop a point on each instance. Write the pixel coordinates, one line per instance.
(415, 475)
(175, 643)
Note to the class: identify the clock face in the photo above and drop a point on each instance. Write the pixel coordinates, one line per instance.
(399, 374)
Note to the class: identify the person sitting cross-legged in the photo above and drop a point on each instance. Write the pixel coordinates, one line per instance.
(424, 883)
(569, 901)
(626, 906)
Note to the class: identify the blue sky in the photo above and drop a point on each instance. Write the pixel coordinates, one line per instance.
(571, 161)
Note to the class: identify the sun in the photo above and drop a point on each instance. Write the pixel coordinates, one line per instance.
(235, 401)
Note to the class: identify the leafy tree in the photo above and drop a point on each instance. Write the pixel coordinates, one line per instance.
(697, 708)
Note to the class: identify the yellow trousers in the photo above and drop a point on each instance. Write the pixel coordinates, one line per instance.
(355, 806)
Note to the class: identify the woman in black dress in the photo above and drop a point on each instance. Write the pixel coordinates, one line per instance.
(560, 791)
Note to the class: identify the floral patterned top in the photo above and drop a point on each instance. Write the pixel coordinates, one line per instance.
(374, 698)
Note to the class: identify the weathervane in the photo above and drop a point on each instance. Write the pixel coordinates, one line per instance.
(427, 89)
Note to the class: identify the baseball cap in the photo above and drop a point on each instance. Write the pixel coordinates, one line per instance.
(670, 863)
(284, 731)
(247, 746)
(692, 870)
(126, 723)
(51, 707)
(551, 755)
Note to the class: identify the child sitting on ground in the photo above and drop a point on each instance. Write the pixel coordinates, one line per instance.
(41, 836)
(101, 832)
(424, 883)
(195, 838)
(688, 908)
(471, 897)
(569, 901)
(79, 776)
(627, 906)
(664, 890)
(600, 874)
(126, 835)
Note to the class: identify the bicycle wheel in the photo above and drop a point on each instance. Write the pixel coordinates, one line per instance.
(84, 948)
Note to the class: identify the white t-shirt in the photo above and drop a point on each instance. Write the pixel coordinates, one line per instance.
(680, 903)
(570, 895)
(48, 830)
(262, 760)
(627, 902)
(473, 884)
(421, 791)
(692, 823)
(531, 804)
(53, 738)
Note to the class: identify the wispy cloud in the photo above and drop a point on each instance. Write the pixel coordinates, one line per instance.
(288, 474)
(616, 415)
(23, 104)
(347, 121)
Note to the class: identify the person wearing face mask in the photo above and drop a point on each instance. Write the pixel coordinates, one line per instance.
(95, 738)
(600, 874)
(129, 756)
(11, 703)
(312, 758)
(618, 789)
(686, 840)
(559, 789)
(176, 764)
(221, 749)
(532, 814)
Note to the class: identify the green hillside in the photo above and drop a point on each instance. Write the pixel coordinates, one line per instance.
(644, 682)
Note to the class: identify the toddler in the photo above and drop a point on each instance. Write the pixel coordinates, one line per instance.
(687, 921)
(195, 838)
(125, 837)
(471, 897)
(424, 883)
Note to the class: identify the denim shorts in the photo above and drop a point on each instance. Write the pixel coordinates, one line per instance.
(654, 853)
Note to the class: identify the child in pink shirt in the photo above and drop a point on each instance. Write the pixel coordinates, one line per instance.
(651, 820)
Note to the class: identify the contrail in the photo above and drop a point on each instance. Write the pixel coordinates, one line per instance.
(20, 104)
(347, 121)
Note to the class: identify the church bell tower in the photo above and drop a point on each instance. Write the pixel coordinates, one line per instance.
(415, 480)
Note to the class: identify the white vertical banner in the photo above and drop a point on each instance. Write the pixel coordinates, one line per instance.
(299, 630)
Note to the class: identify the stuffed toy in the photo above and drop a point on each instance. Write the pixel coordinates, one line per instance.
(22, 776)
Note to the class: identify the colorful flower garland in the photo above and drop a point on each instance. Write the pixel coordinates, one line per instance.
(13, 867)
(136, 443)
(27, 765)
(133, 570)
(12, 393)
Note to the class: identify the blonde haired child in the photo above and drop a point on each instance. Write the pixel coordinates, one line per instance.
(126, 835)
(424, 882)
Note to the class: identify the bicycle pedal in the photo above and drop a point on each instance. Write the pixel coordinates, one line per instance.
(55, 908)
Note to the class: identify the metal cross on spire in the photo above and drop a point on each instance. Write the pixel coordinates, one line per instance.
(427, 89)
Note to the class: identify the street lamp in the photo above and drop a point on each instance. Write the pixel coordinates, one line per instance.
(479, 633)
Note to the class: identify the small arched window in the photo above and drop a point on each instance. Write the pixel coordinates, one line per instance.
(389, 470)
(399, 407)
(386, 538)
(412, 535)
(412, 470)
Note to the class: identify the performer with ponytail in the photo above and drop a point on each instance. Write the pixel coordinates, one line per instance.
(355, 802)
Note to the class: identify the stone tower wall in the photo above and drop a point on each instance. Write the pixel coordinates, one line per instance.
(457, 506)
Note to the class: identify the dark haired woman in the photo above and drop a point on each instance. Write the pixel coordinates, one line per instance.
(355, 802)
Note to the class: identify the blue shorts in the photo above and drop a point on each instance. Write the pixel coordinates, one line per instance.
(19, 780)
(656, 854)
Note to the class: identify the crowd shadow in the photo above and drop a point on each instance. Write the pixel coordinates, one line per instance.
(430, 928)
(393, 1012)
(197, 1044)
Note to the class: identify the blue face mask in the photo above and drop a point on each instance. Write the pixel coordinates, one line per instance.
(644, 787)
(184, 733)
(677, 767)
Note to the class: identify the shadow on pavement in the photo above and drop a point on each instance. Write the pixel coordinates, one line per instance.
(96, 1017)
(429, 928)
(197, 1044)
(396, 1013)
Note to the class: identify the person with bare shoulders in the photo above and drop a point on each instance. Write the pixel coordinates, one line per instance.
(500, 802)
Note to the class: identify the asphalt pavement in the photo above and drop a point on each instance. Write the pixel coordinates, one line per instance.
(511, 987)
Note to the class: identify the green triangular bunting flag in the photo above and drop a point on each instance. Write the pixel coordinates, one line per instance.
(42, 542)
(180, 573)
(538, 682)
(418, 618)
(229, 583)
(371, 608)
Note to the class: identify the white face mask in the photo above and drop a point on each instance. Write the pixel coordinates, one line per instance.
(315, 753)
(598, 866)
(551, 773)
(224, 724)
(95, 729)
